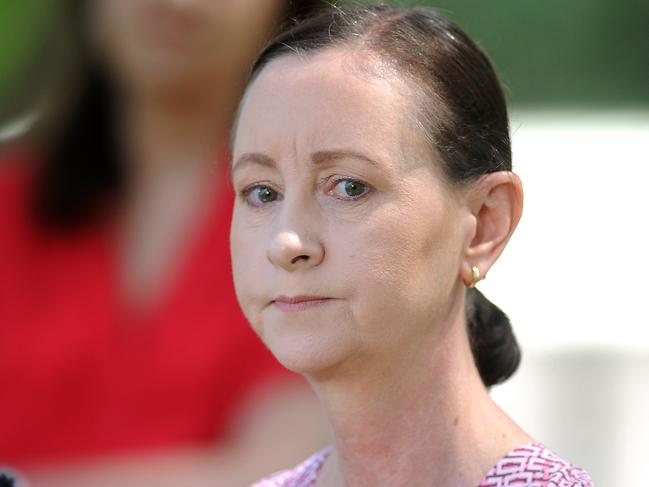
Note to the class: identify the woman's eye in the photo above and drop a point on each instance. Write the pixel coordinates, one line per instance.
(260, 195)
(349, 189)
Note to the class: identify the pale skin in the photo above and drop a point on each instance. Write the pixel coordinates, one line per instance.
(179, 79)
(342, 205)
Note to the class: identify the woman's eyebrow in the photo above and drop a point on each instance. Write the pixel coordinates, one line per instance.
(317, 158)
(322, 157)
(253, 158)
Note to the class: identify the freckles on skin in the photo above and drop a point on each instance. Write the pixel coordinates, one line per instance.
(390, 258)
(301, 104)
(408, 258)
(304, 342)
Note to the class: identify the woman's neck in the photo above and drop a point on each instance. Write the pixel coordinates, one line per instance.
(423, 420)
(161, 135)
(172, 149)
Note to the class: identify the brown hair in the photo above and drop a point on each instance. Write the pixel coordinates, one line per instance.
(462, 111)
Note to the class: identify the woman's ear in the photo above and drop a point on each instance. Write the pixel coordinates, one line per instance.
(496, 202)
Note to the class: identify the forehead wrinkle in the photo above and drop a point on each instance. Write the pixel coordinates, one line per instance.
(254, 158)
(325, 156)
(365, 63)
(412, 145)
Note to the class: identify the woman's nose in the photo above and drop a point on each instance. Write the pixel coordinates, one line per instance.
(292, 251)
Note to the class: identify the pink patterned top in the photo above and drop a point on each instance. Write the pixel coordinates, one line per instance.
(531, 465)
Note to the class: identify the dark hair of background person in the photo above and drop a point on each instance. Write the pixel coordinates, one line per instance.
(82, 173)
(462, 111)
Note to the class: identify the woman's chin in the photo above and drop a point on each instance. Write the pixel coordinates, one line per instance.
(305, 353)
(307, 341)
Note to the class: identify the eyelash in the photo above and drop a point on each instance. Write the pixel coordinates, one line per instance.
(247, 191)
(335, 181)
(332, 182)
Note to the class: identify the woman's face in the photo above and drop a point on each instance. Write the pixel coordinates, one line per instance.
(170, 43)
(340, 202)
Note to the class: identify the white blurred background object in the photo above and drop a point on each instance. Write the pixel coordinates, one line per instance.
(575, 282)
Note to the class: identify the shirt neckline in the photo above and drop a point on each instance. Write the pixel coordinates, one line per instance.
(319, 458)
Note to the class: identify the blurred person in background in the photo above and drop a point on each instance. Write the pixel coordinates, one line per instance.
(124, 357)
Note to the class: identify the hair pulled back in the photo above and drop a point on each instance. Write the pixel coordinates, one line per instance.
(462, 113)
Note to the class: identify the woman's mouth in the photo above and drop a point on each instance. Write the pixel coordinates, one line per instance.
(298, 303)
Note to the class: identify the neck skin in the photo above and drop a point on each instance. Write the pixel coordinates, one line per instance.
(421, 419)
(173, 146)
(162, 133)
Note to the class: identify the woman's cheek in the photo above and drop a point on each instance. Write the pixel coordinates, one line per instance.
(242, 250)
(375, 270)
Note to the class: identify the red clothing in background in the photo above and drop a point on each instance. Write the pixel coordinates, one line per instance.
(80, 375)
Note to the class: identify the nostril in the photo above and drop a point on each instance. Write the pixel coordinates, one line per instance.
(295, 260)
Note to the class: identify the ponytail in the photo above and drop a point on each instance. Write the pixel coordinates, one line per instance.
(494, 346)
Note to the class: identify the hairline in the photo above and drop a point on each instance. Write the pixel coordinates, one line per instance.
(412, 88)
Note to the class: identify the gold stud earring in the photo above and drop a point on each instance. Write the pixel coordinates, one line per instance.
(476, 276)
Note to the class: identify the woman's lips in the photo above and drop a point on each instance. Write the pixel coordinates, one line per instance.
(298, 303)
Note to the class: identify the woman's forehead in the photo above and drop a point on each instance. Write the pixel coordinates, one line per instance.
(325, 97)
(343, 69)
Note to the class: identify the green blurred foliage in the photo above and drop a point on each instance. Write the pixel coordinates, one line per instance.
(25, 27)
(592, 53)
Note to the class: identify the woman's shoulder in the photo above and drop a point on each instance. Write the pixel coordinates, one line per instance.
(535, 465)
(304, 475)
